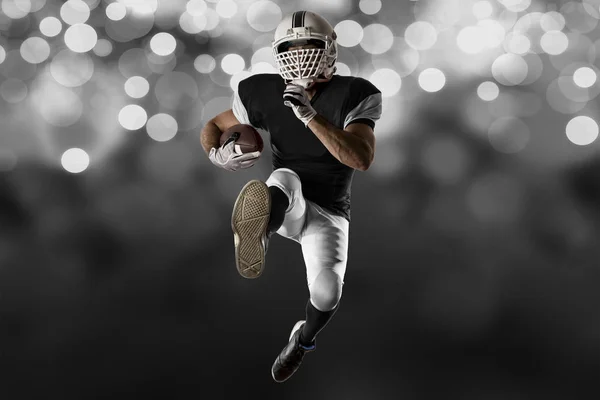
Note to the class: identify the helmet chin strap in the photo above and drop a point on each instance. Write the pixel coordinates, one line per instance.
(308, 83)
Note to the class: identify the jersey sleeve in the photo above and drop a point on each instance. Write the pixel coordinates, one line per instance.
(243, 107)
(365, 103)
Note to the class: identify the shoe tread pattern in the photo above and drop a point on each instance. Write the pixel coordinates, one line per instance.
(250, 220)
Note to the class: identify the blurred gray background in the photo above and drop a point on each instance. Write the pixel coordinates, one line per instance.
(473, 262)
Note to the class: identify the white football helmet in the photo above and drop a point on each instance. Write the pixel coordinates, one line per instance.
(305, 66)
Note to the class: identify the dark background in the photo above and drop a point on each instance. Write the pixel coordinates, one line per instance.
(472, 274)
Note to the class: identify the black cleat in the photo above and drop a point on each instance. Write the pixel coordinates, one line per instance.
(249, 222)
(291, 356)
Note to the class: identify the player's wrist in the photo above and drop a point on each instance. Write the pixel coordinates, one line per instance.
(309, 118)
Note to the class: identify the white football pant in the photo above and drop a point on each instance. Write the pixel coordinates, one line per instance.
(322, 235)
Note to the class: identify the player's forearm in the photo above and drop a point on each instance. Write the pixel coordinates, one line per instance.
(209, 137)
(349, 149)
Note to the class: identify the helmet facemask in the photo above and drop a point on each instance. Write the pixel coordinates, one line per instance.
(305, 67)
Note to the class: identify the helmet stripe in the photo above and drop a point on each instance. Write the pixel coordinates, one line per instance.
(298, 19)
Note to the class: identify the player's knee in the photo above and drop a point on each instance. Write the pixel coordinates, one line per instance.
(326, 290)
(286, 178)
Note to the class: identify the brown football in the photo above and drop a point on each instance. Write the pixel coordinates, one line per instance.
(246, 138)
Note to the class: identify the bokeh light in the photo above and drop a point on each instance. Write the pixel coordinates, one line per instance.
(35, 50)
(263, 55)
(16, 9)
(205, 63)
(137, 87)
(370, 7)
(50, 26)
(585, 77)
(196, 7)
(116, 11)
(510, 69)
(71, 69)
(343, 69)
(517, 43)
(2, 54)
(134, 62)
(420, 35)
(554, 42)
(264, 15)
(140, 8)
(58, 105)
(136, 24)
(163, 44)
(582, 130)
(74, 12)
(102, 48)
(161, 127)
(377, 39)
(81, 38)
(552, 21)
(75, 160)
(132, 117)
(471, 39)
(192, 24)
(482, 9)
(432, 80)
(493, 32)
(349, 33)
(488, 91)
(515, 5)
(232, 63)
(226, 8)
(387, 81)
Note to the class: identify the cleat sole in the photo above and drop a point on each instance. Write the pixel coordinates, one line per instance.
(249, 222)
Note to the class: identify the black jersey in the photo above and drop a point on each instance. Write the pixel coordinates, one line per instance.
(342, 101)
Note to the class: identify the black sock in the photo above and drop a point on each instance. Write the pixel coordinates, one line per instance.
(315, 322)
(279, 203)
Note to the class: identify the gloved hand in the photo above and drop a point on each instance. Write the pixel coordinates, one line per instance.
(297, 99)
(227, 158)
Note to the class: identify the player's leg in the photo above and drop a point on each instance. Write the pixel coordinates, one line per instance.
(324, 243)
(325, 251)
(261, 209)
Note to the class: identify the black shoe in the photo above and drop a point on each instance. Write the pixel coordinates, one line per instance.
(249, 222)
(291, 356)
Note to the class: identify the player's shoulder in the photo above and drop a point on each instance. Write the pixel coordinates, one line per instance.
(363, 86)
(259, 80)
(356, 89)
(259, 86)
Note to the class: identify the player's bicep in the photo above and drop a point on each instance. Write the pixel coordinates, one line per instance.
(225, 120)
(364, 131)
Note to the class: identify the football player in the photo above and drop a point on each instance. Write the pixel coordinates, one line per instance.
(321, 131)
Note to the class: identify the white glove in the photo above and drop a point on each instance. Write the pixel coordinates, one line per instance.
(227, 158)
(297, 99)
